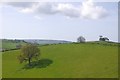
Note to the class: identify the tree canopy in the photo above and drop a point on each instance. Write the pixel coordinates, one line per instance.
(29, 51)
(103, 38)
(81, 39)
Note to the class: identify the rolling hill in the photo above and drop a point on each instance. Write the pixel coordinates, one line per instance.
(73, 60)
(44, 41)
(7, 44)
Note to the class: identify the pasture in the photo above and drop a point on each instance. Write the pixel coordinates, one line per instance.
(84, 60)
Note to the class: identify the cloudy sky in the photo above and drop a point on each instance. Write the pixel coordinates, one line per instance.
(59, 20)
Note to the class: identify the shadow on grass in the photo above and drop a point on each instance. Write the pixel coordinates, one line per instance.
(43, 63)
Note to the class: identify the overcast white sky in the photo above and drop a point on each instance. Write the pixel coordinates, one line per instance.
(59, 20)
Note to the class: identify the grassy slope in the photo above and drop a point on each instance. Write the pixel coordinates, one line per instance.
(0, 65)
(8, 44)
(69, 61)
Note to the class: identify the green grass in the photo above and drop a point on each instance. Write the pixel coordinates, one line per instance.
(0, 65)
(66, 61)
(10, 44)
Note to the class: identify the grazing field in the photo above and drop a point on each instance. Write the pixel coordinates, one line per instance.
(10, 44)
(84, 60)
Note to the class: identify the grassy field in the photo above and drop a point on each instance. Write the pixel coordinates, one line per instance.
(10, 44)
(66, 61)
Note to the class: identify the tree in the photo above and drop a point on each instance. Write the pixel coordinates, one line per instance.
(81, 39)
(103, 38)
(106, 39)
(29, 51)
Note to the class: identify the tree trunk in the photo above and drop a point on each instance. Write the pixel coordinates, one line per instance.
(29, 61)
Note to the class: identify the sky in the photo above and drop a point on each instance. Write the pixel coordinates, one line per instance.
(59, 20)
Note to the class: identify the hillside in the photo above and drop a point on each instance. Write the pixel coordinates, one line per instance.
(8, 44)
(89, 60)
(44, 41)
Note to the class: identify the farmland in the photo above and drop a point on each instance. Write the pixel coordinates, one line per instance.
(73, 60)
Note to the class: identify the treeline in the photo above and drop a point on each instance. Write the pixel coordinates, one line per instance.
(100, 43)
(3, 50)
